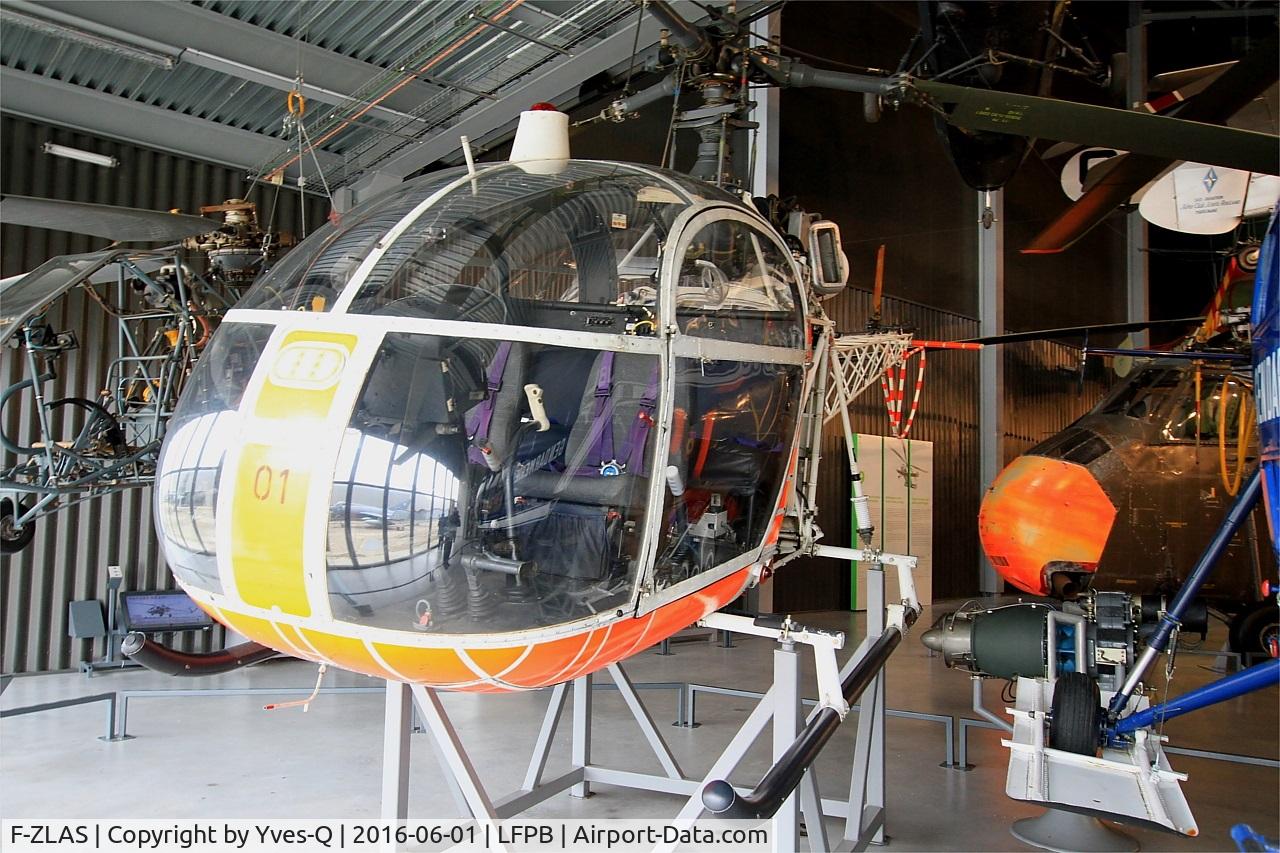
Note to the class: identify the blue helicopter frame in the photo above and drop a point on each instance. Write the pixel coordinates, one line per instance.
(1264, 483)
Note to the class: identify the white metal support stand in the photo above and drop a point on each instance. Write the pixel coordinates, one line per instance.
(865, 823)
(581, 732)
(473, 800)
(780, 706)
(396, 730)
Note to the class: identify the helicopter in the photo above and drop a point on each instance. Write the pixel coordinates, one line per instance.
(164, 311)
(484, 351)
(1125, 496)
(1081, 718)
(594, 377)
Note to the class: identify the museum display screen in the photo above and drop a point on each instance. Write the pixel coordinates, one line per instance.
(161, 610)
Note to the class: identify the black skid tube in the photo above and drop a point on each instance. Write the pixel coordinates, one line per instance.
(763, 802)
(160, 658)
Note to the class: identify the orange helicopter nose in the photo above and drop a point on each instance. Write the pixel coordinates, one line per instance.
(1044, 523)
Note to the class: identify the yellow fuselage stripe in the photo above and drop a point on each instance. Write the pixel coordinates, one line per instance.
(271, 481)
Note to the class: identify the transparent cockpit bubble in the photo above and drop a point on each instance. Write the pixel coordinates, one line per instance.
(732, 424)
(525, 249)
(312, 276)
(202, 428)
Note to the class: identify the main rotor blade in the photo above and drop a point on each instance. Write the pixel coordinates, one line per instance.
(1229, 93)
(121, 224)
(1081, 331)
(1159, 136)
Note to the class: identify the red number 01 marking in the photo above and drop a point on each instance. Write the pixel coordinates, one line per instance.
(264, 481)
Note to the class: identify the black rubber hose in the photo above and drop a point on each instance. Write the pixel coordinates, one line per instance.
(160, 658)
(763, 802)
(6, 442)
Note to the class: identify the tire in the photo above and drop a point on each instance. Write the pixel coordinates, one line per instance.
(1253, 629)
(1076, 722)
(13, 539)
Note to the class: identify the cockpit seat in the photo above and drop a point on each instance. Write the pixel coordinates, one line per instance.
(607, 451)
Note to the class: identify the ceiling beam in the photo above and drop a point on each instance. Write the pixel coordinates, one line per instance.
(253, 74)
(59, 25)
(52, 101)
(220, 36)
(557, 83)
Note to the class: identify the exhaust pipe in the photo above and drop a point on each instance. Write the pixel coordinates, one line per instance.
(161, 658)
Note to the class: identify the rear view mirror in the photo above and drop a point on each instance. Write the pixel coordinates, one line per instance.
(827, 260)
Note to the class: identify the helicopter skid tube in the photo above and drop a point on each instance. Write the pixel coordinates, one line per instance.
(763, 802)
(161, 658)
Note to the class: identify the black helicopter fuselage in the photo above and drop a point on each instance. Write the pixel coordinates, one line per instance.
(1128, 495)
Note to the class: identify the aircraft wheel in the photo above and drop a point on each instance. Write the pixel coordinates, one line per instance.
(13, 538)
(1254, 629)
(1076, 724)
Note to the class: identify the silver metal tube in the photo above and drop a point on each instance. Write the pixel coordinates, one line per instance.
(800, 75)
(656, 92)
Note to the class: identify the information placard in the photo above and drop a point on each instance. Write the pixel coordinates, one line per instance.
(897, 477)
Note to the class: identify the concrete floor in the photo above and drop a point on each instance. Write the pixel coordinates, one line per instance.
(225, 757)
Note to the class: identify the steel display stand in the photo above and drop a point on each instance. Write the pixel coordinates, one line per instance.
(863, 810)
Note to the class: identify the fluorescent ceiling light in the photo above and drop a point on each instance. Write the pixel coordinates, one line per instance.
(82, 156)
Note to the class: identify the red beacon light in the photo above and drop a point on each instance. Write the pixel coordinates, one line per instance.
(541, 146)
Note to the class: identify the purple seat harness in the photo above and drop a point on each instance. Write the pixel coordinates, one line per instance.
(604, 462)
(480, 418)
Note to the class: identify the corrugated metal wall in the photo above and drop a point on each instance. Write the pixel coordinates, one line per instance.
(1042, 395)
(72, 549)
(1045, 391)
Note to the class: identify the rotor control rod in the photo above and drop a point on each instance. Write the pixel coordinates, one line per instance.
(789, 72)
(763, 802)
(620, 109)
(161, 658)
(688, 36)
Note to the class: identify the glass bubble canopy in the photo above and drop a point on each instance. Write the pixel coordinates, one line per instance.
(491, 403)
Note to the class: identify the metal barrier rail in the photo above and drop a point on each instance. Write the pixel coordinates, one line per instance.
(109, 698)
(126, 695)
(686, 694)
(946, 721)
(962, 762)
(1223, 756)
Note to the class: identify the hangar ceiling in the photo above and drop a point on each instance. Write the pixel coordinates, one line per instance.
(390, 85)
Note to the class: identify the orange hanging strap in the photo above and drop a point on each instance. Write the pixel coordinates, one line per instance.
(878, 294)
(708, 426)
(295, 103)
(679, 417)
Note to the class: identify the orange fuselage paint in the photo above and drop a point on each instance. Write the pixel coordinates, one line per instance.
(494, 668)
(1041, 511)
